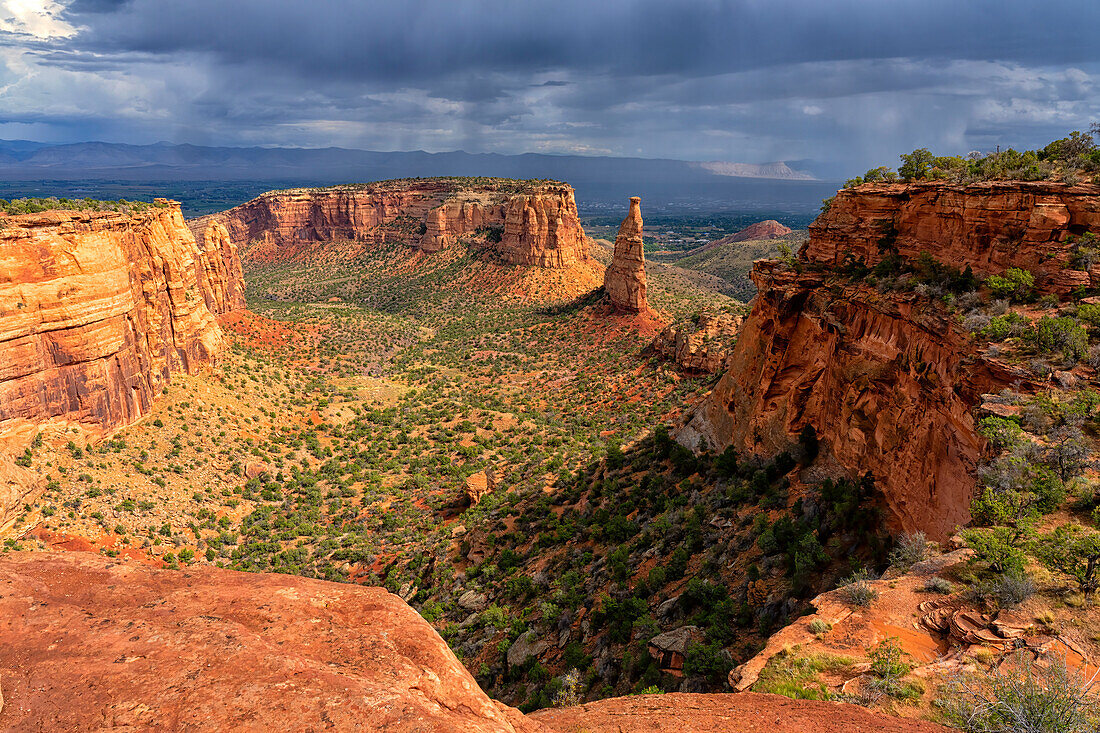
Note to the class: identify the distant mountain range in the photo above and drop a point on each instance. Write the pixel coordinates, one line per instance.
(22, 158)
(598, 180)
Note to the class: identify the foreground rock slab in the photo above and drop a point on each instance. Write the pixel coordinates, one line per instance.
(730, 713)
(89, 644)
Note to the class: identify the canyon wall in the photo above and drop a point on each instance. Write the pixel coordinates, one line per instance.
(98, 309)
(536, 222)
(889, 380)
(989, 226)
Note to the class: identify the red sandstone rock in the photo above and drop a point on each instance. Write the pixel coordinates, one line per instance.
(888, 382)
(538, 220)
(88, 643)
(98, 309)
(701, 347)
(221, 278)
(768, 229)
(990, 226)
(745, 712)
(625, 279)
(480, 485)
(543, 229)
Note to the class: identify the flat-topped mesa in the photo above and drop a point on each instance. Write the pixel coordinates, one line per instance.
(989, 226)
(625, 280)
(535, 222)
(99, 308)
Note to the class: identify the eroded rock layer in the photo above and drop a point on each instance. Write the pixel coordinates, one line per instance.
(533, 222)
(98, 309)
(701, 346)
(889, 380)
(625, 279)
(107, 646)
(989, 226)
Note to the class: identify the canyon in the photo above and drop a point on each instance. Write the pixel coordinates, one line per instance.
(387, 417)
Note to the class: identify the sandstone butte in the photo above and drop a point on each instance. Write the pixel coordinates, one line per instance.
(97, 311)
(625, 279)
(889, 381)
(94, 644)
(536, 220)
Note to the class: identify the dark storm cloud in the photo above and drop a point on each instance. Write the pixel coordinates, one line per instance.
(853, 80)
(404, 42)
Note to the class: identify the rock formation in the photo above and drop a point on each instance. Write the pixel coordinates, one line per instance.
(989, 226)
(103, 645)
(542, 229)
(888, 380)
(701, 346)
(480, 485)
(535, 221)
(768, 229)
(221, 279)
(625, 279)
(97, 311)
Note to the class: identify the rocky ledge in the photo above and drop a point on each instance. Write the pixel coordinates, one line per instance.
(89, 643)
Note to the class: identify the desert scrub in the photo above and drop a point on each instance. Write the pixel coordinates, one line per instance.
(1019, 696)
(795, 675)
(856, 589)
(939, 585)
(909, 549)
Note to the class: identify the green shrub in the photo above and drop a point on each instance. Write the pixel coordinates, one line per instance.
(1016, 284)
(707, 660)
(997, 547)
(909, 549)
(1074, 551)
(856, 589)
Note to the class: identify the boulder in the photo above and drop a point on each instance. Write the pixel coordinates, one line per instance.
(526, 646)
(471, 600)
(670, 648)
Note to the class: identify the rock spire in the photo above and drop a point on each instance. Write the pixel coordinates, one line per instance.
(625, 279)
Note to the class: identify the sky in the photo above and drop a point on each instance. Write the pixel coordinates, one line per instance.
(850, 82)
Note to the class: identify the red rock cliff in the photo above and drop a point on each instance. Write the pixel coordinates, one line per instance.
(888, 380)
(625, 280)
(990, 226)
(99, 309)
(537, 221)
